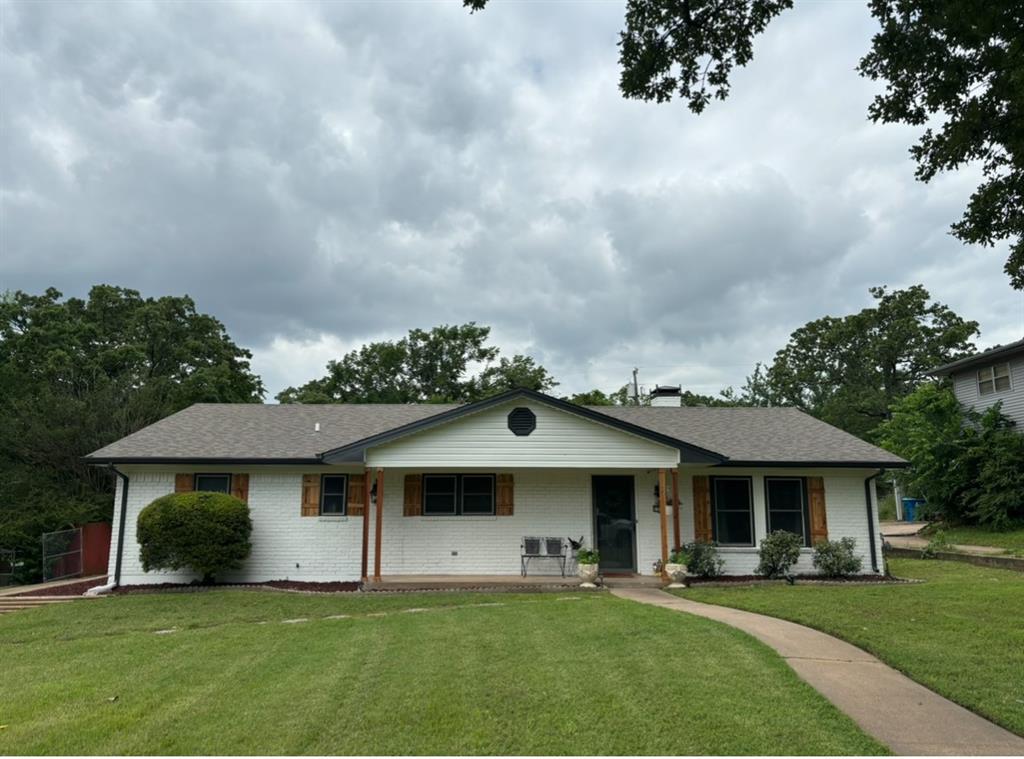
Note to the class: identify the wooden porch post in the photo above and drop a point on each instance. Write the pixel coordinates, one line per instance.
(662, 509)
(366, 523)
(376, 535)
(675, 507)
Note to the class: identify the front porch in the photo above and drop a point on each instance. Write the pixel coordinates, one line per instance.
(510, 583)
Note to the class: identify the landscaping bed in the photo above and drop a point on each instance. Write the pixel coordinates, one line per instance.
(293, 585)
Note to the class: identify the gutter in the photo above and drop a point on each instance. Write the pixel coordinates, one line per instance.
(871, 520)
(102, 589)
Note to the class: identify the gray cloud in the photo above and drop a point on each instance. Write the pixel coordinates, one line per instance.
(320, 175)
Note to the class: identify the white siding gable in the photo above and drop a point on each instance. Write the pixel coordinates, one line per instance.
(965, 386)
(561, 439)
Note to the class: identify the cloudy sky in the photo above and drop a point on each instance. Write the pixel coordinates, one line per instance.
(320, 175)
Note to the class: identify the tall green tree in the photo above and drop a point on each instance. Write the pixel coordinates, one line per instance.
(435, 366)
(958, 64)
(850, 370)
(77, 374)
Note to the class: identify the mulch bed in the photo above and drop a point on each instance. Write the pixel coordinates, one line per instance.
(286, 585)
(800, 580)
(74, 589)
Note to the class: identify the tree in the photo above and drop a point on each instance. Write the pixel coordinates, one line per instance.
(593, 397)
(78, 374)
(850, 370)
(958, 60)
(423, 367)
(966, 465)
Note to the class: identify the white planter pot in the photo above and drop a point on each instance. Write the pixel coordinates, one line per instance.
(676, 573)
(587, 573)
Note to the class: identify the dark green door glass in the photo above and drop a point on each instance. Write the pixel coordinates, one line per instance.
(615, 522)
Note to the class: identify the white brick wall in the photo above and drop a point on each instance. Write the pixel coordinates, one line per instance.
(553, 502)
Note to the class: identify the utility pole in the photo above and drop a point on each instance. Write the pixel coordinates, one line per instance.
(636, 387)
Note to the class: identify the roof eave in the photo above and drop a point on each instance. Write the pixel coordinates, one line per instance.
(819, 464)
(979, 358)
(247, 460)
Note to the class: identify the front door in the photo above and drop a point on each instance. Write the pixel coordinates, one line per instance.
(615, 522)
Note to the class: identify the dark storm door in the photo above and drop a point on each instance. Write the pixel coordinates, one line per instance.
(615, 522)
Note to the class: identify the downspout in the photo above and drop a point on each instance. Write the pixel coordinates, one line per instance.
(871, 520)
(120, 537)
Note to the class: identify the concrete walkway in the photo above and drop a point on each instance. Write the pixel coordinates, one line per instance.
(901, 528)
(913, 541)
(11, 590)
(892, 708)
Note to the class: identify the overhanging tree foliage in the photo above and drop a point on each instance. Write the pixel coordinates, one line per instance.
(434, 366)
(850, 370)
(77, 374)
(960, 62)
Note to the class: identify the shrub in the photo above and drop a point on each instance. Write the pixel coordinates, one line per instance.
(587, 556)
(205, 532)
(835, 558)
(936, 545)
(779, 551)
(704, 560)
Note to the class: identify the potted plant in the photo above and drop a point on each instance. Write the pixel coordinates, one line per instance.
(676, 567)
(587, 563)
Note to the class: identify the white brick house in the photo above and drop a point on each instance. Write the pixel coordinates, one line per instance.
(365, 492)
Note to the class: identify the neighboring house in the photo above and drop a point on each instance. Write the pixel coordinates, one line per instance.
(350, 492)
(990, 377)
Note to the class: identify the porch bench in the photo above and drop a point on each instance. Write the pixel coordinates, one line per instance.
(543, 548)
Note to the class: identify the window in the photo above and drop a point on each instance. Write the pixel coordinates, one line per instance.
(786, 498)
(732, 511)
(333, 494)
(458, 494)
(994, 379)
(213, 483)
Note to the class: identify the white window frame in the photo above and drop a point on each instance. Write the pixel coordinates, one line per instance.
(989, 376)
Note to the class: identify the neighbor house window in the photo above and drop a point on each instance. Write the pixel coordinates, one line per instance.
(732, 505)
(994, 379)
(458, 494)
(786, 498)
(213, 483)
(333, 494)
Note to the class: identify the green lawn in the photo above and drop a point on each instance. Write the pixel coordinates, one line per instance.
(961, 633)
(1011, 540)
(412, 673)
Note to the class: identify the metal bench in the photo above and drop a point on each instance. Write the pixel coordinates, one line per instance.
(543, 548)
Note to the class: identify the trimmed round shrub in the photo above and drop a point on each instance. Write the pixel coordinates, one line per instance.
(779, 551)
(835, 558)
(207, 533)
(703, 559)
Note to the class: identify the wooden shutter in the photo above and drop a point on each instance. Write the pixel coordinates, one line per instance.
(702, 532)
(816, 504)
(504, 496)
(184, 482)
(413, 495)
(310, 495)
(240, 487)
(356, 495)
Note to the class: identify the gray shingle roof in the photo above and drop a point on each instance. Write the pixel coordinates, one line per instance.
(214, 431)
(765, 435)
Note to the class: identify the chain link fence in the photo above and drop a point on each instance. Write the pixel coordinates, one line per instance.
(7, 558)
(62, 554)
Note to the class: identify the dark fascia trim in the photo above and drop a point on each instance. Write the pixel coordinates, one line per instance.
(697, 454)
(819, 464)
(208, 461)
(977, 359)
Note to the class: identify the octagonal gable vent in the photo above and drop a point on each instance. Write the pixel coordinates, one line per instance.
(522, 421)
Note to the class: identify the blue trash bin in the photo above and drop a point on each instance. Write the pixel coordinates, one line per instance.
(910, 509)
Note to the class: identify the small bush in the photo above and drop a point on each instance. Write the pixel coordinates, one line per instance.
(587, 556)
(779, 551)
(704, 560)
(936, 545)
(680, 556)
(205, 532)
(835, 558)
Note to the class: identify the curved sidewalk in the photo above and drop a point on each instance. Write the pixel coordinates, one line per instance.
(892, 708)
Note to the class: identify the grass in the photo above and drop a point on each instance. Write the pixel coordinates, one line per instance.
(465, 674)
(961, 633)
(1011, 540)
